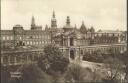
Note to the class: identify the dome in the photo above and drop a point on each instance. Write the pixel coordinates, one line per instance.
(83, 28)
(18, 25)
(67, 26)
(92, 29)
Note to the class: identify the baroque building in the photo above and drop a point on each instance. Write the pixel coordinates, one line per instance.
(72, 40)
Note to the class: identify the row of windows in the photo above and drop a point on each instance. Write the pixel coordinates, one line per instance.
(19, 37)
(107, 34)
(37, 42)
(15, 59)
(39, 36)
(7, 38)
(103, 49)
(105, 41)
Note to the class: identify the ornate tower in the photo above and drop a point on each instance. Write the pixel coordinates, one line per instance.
(68, 21)
(33, 22)
(53, 21)
(46, 27)
(83, 28)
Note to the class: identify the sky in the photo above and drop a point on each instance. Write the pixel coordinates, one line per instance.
(101, 14)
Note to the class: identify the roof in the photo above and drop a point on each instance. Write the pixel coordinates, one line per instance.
(37, 32)
(18, 25)
(109, 31)
(6, 32)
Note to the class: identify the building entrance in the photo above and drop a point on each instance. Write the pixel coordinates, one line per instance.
(72, 54)
(71, 42)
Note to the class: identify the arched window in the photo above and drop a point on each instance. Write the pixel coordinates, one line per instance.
(3, 38)
(5, 60)
(72, 56)
(71, 42)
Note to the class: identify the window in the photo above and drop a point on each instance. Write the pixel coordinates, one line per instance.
(33, 42)
(7, 38)
(27, 42)
(12, 59)
(30, 42)
(37, 43)
(36, 36)
(11, 37)
(40, 42)
(5, 59)
(20, 38)
(27, 37)
(3, 38)
(71, 42)
(81, 51)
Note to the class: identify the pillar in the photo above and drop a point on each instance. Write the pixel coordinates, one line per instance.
(8, 60)
(68, 41)
(15, 60)
(27, 60)
(2, 59)
(69, 53)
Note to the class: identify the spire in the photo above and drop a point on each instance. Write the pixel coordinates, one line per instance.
(75, 26)
(33, 21)
(68, 20)
(83, 28)
(46, 27)
(92, 29)
(83, 25)
(82, 22)
(53, 21)
(53, 15)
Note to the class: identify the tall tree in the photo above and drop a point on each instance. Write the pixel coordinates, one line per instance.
(5, 74)
(52, 60)
(115, 69)
(78, 74)
(31, 73)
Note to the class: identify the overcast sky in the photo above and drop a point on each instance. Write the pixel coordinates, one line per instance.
(101, 14)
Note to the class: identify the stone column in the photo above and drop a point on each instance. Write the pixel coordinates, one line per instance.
(9, 60)
(68, 41)
(1, 59)
(75, 42)
(69, 53)
(32, 57)
(15, 60)
(27, 58)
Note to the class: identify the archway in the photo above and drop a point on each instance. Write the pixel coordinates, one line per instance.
(71, 42)
(72, 54)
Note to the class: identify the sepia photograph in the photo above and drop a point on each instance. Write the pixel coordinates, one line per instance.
(64, 41)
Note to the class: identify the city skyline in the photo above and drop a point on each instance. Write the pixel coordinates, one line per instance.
(94, 13)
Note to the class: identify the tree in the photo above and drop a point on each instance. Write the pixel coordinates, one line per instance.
(126, 77)
(53, 61)
(31, 73)
(115, 69)
(124, 58)
(5, 74)
(78, 74)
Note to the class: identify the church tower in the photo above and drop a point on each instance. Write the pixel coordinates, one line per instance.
(53, 21)
(33, 21)
(83, 28)
(68, 21)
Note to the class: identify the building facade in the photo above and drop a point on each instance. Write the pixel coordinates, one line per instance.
(71, 40)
